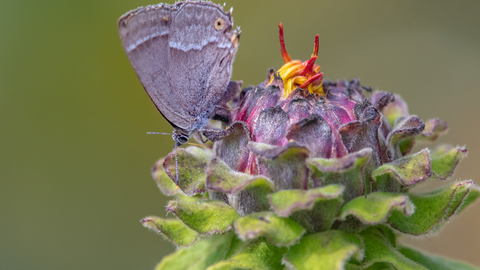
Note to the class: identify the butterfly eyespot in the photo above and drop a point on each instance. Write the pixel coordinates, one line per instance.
(218, 24)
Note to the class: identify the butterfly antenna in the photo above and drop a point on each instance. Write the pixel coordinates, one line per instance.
(159, 133)
(176, 166)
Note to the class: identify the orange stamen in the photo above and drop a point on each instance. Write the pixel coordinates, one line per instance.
(309, 66)
(285, 55)
(316, 46)
(311, 80)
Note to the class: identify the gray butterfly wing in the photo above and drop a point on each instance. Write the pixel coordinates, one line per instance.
(202, 49)
(182, 59)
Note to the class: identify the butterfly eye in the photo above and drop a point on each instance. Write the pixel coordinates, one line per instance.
(218, 24)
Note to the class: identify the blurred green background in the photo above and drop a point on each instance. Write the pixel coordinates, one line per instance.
(75, 157)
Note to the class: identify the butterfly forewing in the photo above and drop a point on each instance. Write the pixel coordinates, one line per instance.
(182, 54)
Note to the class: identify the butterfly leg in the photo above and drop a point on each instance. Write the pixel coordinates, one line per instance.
(201, 137)
(222, 114)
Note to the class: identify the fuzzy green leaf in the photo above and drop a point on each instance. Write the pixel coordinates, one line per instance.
(347, 171)
(205, 217)
(285, 165)
(405, 127)
(249, 194)
(376, 207)
(445, 159)
(407, 170)
(434, 262)
(326, 250)
(191, 168)
(314, 209)
(280, 231)
(257, 255)
(222, 178)
(236, 246)
(173, 229)
(378, 250)
(433, 209)
(198, 257)
(406, 145)
(164, 183)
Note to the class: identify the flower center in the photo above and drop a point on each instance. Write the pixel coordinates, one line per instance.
(295, 73)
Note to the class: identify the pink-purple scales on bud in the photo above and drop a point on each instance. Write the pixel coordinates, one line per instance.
(296, 109)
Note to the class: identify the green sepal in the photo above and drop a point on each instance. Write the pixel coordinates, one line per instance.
(327, 250)
(246, 193)
(280, 231)
(285, 165)
(205, 217)
(380, 253)
(314, 209)
(389, 234)
(407, 171)
(433, 129)
(173, 229)
(164, 183)
(257, 255)
(434, 262)
(196, 198)
(445, 159)
(433, 209)
(347, 171)
(405, 127)
(377, 207)
(236, 246)
(406, 145)
(199, 256)
(191, 168)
